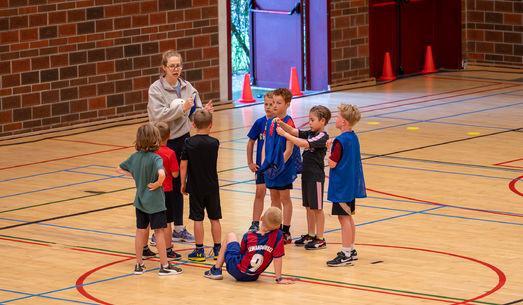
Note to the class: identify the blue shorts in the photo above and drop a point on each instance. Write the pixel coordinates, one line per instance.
(260, 178)
(233, 258)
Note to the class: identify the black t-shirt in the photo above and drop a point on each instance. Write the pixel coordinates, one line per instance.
(313, 166)
(201, 153)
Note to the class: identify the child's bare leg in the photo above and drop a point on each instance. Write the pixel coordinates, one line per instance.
(353, 230)
(311, 221)
(221, 256)
(319, 217)
(285, 197)
(167, 234)
(216, 230)
(258, 202)
(198, 232)
(160, 245)
(275, 198)
(139, 242)
(346, 232)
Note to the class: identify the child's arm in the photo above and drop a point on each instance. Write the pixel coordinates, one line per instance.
(297, 141)
(154, 185)
(175, 174)
(183, 176)
(293, 131)
(288, 151)
(123, 172)
(278, 262)
(250, 148)
(332, 164)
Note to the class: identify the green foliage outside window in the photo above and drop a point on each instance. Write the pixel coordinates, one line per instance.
(240, 35)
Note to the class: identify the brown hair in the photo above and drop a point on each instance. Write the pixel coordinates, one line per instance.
(268, 94)
(283, 92)
(321, 112)
(147, 138)
(202, 118)
(168, 54)
(164, 130)
(272, 218)
(350, 113)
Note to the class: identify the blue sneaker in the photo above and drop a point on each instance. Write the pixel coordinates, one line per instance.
(197, 255)
(216, 251)
(214, 273)
(153, 241)
(184, 235)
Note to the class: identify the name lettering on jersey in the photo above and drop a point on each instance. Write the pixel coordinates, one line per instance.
(260, 247)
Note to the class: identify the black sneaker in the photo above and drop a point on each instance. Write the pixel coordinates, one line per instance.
(316, 244)
(354, 255)
(169, 270)
(173, 256)
(303, 240)
(216, 252)
(254, 227)
(340, 260)
(147, 253)
(287, 238)
(139, 268)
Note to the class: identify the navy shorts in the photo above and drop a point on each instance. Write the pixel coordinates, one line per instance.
(157, 220)
(260, 178)
(344, 208)
(233, 258)
(281, 188)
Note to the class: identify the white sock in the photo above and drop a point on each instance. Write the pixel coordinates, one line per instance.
(166, 265)
(346, 251)
(178, 228)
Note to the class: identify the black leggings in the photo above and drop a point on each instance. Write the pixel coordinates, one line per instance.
(177, 145)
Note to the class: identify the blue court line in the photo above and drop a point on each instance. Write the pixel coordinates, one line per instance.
(447, 123)
(29, 295)
(514, 94)
(439, 118)
(438, 171)
(229, 148)
(46, 173)
(57, 187)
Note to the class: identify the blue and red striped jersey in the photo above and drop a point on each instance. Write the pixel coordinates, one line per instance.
(258, 250)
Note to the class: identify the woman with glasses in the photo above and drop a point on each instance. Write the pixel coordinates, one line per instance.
(173, 100)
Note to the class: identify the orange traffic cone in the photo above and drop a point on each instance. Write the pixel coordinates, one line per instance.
(387, 69)
(429, 62)
(246, 92)
(294, 83)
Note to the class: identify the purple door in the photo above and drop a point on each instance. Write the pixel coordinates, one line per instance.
(276, 36)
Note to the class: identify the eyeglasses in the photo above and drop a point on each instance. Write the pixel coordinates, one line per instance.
(173, 67)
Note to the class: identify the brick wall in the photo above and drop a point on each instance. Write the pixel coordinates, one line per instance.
(66, 62)
(493, 31)
(349, 46)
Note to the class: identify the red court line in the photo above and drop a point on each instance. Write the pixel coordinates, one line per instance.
(64, 158)
(26, 242)
(512, 185)
(510, 161)
(87, 142)
(463, 79)
(446, 205)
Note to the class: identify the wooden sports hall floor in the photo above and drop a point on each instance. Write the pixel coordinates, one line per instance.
(442, 224)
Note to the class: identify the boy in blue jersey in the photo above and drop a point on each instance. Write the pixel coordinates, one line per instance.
(257, 133)
(346, 181)
(282, 160)
(246, 261)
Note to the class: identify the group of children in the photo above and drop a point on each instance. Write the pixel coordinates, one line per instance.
(278, 163)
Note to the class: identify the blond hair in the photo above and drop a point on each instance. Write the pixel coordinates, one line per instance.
(272, 218)
(164, 130)
(202, 118)
(350, 113)
(147, 138)
(168, 54)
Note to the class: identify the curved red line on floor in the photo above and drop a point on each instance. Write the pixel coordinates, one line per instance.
(512, 185)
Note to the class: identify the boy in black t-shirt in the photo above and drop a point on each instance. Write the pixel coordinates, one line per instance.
(199, 179)
(313, 173)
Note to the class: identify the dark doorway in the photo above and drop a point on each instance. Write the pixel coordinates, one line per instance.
(406, 27)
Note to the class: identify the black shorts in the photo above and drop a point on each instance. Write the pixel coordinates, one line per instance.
(157, 220)
(344, 208)
(200, 202)
(312, 194)
(260, 178)
(281, 188)
(169, 204)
